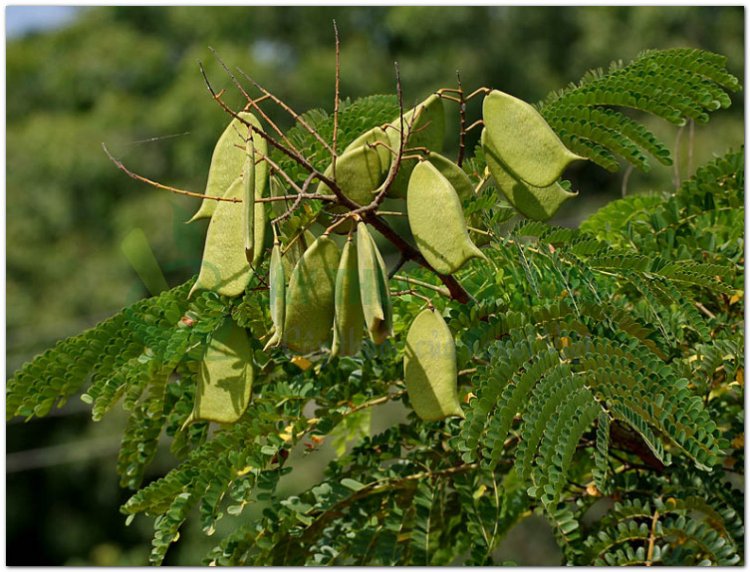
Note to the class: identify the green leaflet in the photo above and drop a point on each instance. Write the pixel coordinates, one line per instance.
(373, 283)
(227, 162)
(437, 220)
(310, 297)
(225, 378)
(523, 140)
(428, 131)
(248, 203)
(276, 289)
(430, 368)
(349, 319)
(224, 268)
(538, 203)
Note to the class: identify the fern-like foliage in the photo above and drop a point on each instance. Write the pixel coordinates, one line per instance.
(600, 362)
(676, 85)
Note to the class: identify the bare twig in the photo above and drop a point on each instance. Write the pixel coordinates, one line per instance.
(296, 116)
(298, 199)
(462, 121)
(175, 190)
(410, 281)
(251, 102)
(396, 164)
(336, 97)
(291, 153)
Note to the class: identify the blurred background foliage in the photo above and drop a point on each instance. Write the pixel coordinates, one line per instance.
(129, 77)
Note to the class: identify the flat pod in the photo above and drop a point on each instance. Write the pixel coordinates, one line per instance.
(248, 201)
(227, 162)
(276, 290)
(537, 203)
(372, 137)
(310, 297)
(225, 377)
(437, 220)
(430, 368)
(359, 172)
(349, 320)
(524, 141)
(224, 268)
(456, 176)
(373, 285)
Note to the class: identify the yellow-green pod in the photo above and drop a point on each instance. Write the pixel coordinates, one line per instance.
(260, 227)
(524, 142)
(248, 201)
(427, 131)
(228, 159)
(359, 172)
(372, 137)
(276, 289)
(349, 320)
(310, 298)
(437, 220)
(456, 176)
(224, 268)
(373, 284)
(537, 203)
(430, 372)
(225, 377)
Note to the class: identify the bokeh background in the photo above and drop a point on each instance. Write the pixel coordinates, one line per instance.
(128, 77)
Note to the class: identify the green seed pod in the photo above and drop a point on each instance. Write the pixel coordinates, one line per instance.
(437, 220)
(359, 172)
(248, 185)
(524, 141)
(225, 377)
(430, 368)
(276, 289)
(227, 161)
(537, 203)
(371, 137)
(373, 284)
(224, 268)
(428, 131)
(456, 176)
(349, 319)
(310, 298)
(260, 227)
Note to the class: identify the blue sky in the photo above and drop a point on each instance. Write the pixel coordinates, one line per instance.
(22, 19)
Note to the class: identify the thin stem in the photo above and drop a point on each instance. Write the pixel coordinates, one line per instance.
(652, 539)
(480, 90)
(393, 171)
(291, 153)
(296, 116)
(296, 202)
(175, 190)
(462, 121)
(410, 281)
(477, 123)
(336, 96)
